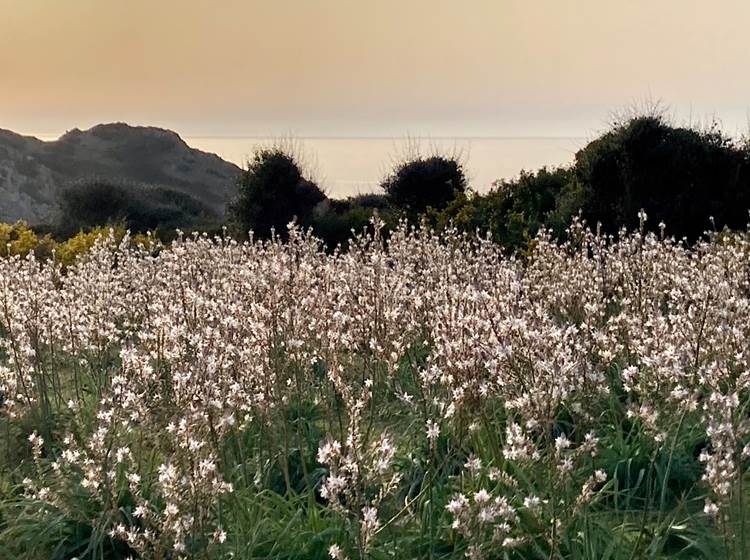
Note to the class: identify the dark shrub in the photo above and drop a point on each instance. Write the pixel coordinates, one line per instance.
(96, 202)
(514, 210)
(680, 176)
(423, 183)
(87, 204)
(273, 192)
(334, 220)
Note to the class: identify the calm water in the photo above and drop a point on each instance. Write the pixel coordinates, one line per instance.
(346, 166)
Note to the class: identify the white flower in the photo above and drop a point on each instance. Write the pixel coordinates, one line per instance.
(457, 504)
(370, 516)
(335, 552)
(433, 430)
(532, 502)
(561, 442)
(710, 508)
(328, 450)
(220, 536)
(482, 496)
(486, 515)
(473, 464)
(36, 440)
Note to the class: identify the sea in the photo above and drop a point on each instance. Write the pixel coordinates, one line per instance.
(349, 166)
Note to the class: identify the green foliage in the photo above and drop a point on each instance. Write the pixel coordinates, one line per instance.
(513, 211)
(425, 182)
(139, 208)
(334, 221)
(38, 532)
(679, 176)
(272, 193)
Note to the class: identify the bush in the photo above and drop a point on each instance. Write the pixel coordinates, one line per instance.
(139, 208)
(335, 220)
(513, 211)
(272, 193)
(20, 239)
(680, 176)
(69, 250)
(423, 183)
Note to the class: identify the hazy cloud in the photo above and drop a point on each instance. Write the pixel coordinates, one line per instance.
(489, 67)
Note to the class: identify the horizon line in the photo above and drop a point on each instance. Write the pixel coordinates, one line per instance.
(340, 137)
(379, 137)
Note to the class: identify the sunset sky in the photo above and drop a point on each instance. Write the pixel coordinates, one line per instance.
(385, 67)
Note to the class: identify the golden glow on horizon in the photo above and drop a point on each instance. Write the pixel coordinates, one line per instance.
(356, 67)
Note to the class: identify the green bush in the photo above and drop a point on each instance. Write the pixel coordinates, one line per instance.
(335, 220)
(680, 176)
(422, 183)
(94, 203)
(513, 211)
(691, 179)
(272, 192)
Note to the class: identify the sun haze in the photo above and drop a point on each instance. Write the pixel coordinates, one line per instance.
(339, 67)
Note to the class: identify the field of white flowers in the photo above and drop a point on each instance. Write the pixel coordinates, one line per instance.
(420, 396)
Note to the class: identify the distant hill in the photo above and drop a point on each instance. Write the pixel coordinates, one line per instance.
(32, 172)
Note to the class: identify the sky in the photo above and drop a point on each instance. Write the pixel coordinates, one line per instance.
(370, 68)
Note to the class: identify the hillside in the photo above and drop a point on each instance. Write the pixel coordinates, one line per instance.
(32, 171)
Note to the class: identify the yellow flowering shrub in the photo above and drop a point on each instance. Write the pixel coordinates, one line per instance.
(20, 239)
(149, 242)
(68, 251)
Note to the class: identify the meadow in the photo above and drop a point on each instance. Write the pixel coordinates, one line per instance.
(421, 395)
